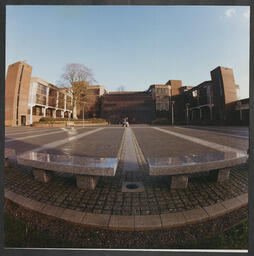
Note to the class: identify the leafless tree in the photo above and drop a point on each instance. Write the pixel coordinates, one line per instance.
(75, 80)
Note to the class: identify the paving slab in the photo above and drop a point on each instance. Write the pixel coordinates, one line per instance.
(195, 215)
(170, 220)
(119, 222)
(96, 220)
(147, 222)
(104, 143)
(73, 216)
(239, 143)
(48, 142)
(54, 211)
(208, 144)
(231, 204)
(243, 198)
(154, 143)
(215, 210)
(24, 201)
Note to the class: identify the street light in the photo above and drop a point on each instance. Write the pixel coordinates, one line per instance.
(187, 113)
(239, 103)
(83, 114)
(172, 112)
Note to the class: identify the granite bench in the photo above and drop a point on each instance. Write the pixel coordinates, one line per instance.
(9, 155)
(87, 169)
(179, 168)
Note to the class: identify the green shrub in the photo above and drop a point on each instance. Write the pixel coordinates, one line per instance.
(52, 120)
(162, 120)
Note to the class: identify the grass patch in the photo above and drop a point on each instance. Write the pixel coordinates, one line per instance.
(19, 234)
(234, 238)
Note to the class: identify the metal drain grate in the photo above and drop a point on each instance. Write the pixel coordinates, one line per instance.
(133, 187)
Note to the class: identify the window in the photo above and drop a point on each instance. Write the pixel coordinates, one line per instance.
(41, 89)
(195, 93)
(40, 99)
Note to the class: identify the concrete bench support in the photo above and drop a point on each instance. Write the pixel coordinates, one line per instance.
(42, 175)
(86, 181)
(179, 181)
(220, 175)
(218, 166)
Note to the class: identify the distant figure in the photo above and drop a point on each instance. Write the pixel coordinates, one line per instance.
(127, 122)
(124, 122)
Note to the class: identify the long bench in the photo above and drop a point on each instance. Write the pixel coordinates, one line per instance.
(180, 168)
(87, 169)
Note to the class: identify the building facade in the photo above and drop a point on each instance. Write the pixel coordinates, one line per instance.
(27, 99)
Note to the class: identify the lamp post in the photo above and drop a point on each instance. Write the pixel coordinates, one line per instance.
(239, 103)
(187, 113)
(83, 114)
(172, 112)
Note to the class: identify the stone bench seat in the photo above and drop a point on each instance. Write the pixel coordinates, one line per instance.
(9, 155)
(86, 169)
(181, 167)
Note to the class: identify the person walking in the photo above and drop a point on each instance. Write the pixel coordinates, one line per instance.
(124, 122)
(127, 122)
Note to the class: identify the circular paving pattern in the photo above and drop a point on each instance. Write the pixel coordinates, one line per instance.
(109, 198)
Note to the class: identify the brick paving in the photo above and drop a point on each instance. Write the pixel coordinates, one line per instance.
(108, 198)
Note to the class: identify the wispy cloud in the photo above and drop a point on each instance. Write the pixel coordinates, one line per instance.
(230, 12)
(246, 14)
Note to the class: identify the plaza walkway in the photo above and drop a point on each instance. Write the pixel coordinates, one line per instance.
(132, 146)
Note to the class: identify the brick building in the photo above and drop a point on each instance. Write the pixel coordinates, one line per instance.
(137, 106)
(212, 101)
(28, 98)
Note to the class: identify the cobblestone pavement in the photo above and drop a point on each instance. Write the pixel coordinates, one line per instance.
(108, 198)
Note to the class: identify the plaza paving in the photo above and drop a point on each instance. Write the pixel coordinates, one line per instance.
(109, 198)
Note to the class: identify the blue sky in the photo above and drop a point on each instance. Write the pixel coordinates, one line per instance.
(131, 46)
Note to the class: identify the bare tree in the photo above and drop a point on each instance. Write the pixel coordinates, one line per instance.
(75, 80)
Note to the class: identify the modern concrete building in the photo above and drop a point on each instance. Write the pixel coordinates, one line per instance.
(214, 101)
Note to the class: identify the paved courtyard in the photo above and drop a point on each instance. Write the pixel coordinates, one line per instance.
(109, 197)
